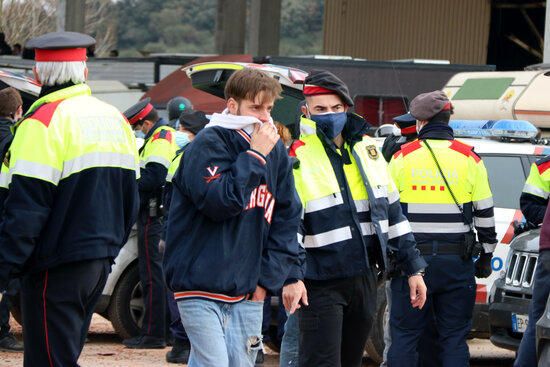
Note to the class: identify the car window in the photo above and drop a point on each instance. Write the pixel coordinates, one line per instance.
(506, 177)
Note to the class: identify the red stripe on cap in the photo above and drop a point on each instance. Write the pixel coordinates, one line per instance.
(409, 130)
(311, 90)
(447, 106)
(65, 54)
(148, 107)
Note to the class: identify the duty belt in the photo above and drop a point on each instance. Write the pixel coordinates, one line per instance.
(437, 248)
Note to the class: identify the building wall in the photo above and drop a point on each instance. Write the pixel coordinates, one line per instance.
(455, 30)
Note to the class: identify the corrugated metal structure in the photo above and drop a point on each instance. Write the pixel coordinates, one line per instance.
(454, 30)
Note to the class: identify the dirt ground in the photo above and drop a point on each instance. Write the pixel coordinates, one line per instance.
(104, 348)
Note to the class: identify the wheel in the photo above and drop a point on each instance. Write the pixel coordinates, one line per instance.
(126, 309)
(544, 358)
(375, 343)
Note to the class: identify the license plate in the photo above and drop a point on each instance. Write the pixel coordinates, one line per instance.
(519, 323)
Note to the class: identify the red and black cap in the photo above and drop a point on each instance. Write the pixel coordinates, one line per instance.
(60, 46)
(406, 123)
(324, 82)
(138, 111)
(426, 105)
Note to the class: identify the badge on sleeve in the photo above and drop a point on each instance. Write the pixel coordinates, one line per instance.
(372, 152)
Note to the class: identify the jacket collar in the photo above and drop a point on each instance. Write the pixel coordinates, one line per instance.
(64, 93)
(437, 131)
(161, 122)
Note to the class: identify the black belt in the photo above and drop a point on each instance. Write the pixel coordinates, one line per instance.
(436, 248)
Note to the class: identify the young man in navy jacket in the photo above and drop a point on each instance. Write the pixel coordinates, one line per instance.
(232, 225)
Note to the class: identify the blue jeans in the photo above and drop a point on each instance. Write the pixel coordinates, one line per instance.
(222, 334)
(527, 355)
(291, 339)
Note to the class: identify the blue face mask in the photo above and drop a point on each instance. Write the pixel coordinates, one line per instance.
(331, 124)
(139, 134)
(182, 139)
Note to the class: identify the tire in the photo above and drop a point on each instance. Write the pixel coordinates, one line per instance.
(126, 308)
(544, 358)
(375, 343)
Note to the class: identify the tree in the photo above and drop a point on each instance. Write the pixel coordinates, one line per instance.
(24, 19)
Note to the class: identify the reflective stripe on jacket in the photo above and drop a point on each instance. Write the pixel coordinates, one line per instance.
(342, 224)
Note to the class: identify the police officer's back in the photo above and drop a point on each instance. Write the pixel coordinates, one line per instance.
(72, 201)
(445, 193)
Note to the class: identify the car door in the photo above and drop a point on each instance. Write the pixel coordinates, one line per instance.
(507, 174)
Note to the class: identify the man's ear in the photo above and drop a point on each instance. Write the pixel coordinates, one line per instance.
(19, 113)
(36, 75)
(85, 73)
(304, 110)
(232, 106)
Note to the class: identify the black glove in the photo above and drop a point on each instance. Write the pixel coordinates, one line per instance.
(483, 265)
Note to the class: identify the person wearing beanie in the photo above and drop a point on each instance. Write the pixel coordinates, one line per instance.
(352, 219)
(189, 125)
(445, 194)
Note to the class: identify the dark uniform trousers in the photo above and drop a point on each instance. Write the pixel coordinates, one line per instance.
(335, 326)
(451, 297)
(151, 275)
(57, 306)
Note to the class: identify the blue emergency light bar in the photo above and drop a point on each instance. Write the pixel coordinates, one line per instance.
(505, 129)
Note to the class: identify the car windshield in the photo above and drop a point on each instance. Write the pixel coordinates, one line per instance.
(506, 178)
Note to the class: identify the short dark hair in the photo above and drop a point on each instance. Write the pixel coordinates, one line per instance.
(442, 117)
(151, 116)
(248, 83)
(10, 101)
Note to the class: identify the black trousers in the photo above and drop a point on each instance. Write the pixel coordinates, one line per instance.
(335, 326)
(57, 307)
(151, 275)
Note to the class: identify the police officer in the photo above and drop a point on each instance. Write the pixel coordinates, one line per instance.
(427, 345)
(155, 155)
(534, 198)
(392, 144)
(72, 201)
(352, 218)
(189, 125)
(176, 106)
(444, 192)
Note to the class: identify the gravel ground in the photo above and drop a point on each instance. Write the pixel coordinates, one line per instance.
(104, 349)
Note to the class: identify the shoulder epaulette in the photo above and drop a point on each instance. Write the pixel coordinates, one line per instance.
(295, 145)
(163, 134)
(464, 149)
(45, 112)
(409, 148)
(543, 164)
